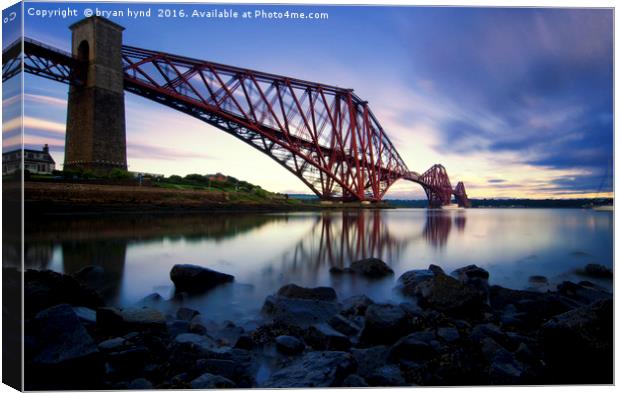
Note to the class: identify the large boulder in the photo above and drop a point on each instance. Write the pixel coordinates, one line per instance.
(578, 344)
(314, 369)
(371, 268)
(187, 348)
(299, 312)
(451, 296)
(196, 279)
(409, 280)
(60, 353)
(470, 272)
(319, 293)
(46, 288)
(289, 345)
(384, 324)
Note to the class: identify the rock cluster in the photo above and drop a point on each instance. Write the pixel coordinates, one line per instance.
(454, 330)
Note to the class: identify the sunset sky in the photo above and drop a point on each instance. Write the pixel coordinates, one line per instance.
(514, 102)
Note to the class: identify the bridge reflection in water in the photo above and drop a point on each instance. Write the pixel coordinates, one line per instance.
(330, 239)
(336, 240)
(339, 239)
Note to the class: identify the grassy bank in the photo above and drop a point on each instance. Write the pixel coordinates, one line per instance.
(41, 197)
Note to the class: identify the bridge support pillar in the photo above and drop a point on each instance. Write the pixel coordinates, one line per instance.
(95, 136)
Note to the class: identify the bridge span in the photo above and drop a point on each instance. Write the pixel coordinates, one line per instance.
(325, 135)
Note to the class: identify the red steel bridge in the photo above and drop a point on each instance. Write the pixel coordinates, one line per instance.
(325, 135)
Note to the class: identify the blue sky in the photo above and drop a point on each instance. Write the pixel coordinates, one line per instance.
(514, 102)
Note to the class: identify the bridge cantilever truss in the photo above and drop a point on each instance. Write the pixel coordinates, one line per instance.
(326, 135)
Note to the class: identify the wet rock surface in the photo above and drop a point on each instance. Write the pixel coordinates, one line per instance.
(46, 288)
(60, 350)
(596, 270)
(196, 279)
(465, 296)
(471, 272)
(371, 268)
(289, 345)
(295, 305)
(384, 323)
(589, 330)
(356, 305)
(314, 369)
(453, 330)
(408, 282)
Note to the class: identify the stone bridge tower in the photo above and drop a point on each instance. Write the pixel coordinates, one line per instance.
(95, 136)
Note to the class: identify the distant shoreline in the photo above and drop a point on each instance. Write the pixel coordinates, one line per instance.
(83, 198)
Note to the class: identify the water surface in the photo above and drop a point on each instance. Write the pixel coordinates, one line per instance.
(266, 251)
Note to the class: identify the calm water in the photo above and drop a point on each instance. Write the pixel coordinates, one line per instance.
(266, 251)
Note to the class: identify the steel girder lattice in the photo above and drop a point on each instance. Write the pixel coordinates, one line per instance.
(461, 195)
(325, 135)
(41, 60)
(437, 186)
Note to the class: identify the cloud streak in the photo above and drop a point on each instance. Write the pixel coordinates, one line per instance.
(155, 152)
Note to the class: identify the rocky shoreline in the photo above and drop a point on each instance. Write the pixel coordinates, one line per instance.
(454, 329)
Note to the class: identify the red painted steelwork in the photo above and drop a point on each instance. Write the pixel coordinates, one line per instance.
(325, 135)
(437, 186)
(461, 195)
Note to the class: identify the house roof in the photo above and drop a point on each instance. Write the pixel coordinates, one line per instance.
(47, 158)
